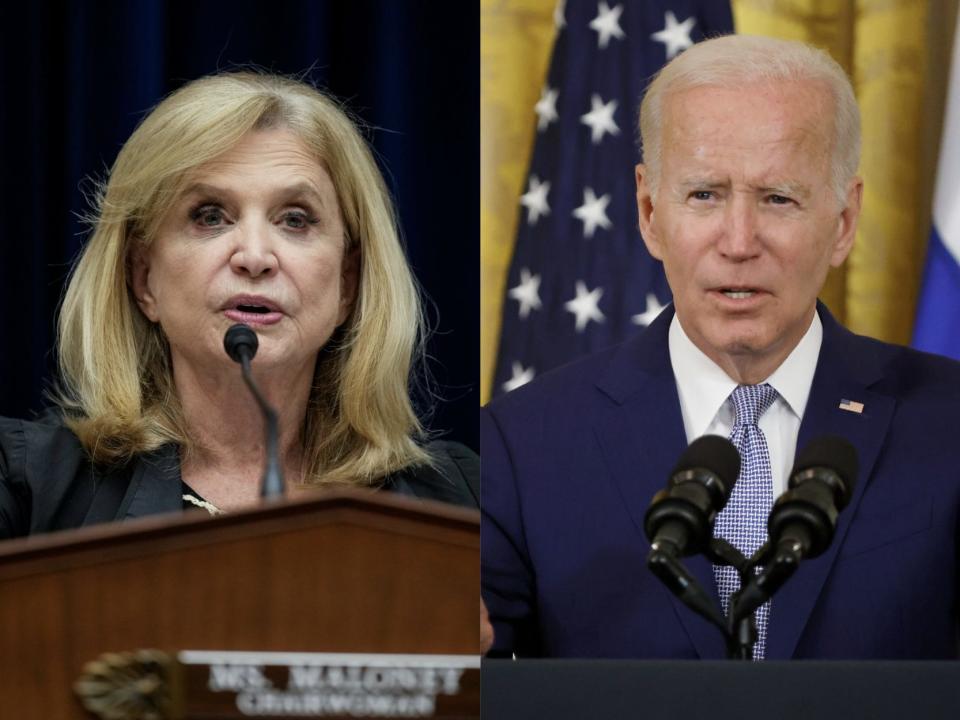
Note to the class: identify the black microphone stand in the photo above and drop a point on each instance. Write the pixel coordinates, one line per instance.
(272, 485)
(740, 632)
(780, 563)
(739, 627)
(681, 583)
(240, 342)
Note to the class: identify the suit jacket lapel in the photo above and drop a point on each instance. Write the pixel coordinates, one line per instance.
(845, 371)
(642, 437)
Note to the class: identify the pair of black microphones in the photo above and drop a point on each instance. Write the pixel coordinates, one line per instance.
(801, 525)
(240, 342)
(681, 516)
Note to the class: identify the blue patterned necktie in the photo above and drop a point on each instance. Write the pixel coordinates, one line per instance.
(743, 521)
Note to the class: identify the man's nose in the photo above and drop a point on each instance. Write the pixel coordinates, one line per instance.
(740, 237)
(254, 253)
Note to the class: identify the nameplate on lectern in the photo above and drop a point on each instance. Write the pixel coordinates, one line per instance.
(207, 684)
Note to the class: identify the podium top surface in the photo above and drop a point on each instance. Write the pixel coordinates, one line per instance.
(787, 690)
(396, 513)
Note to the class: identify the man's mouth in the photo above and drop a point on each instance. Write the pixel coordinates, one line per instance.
(738, 293)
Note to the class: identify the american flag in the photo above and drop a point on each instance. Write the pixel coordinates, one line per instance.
(581, 278)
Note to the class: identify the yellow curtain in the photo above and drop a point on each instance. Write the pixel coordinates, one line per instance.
(897, 54)
(515, 41)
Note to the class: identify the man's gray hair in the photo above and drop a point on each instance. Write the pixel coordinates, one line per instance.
(734, 60)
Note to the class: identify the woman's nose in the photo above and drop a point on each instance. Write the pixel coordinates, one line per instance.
(254, 252)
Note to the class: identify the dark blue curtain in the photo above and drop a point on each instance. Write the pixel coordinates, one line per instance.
(78, 76)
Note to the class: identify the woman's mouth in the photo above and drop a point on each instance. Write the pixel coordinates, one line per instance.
(253, 310)
(251, 314)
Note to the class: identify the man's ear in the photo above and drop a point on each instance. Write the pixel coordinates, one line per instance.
(139, 267)
(349, 282)
(645, 213)
(847, 223)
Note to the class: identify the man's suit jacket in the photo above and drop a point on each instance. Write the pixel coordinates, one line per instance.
(571, 461)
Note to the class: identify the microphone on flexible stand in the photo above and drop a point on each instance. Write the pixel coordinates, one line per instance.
(240, 342)
(803, 520)
(680, 518)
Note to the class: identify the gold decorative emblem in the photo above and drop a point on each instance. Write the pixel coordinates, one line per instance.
(127, 686)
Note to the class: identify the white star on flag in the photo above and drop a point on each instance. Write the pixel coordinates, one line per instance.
(559, 12)
(535, 200)
(546, 108)
(527, 293)
(676, 36)
(607, 24)
(593, 212)
(600, 118)
(654, 308)
(520, 377)
(585, 305)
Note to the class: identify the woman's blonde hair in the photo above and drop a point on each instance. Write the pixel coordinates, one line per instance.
(117, 391)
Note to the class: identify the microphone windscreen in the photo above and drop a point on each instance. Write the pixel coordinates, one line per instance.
(835, 453)
(239, 336)
(713, 453)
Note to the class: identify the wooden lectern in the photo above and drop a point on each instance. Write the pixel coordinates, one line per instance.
(344, 572)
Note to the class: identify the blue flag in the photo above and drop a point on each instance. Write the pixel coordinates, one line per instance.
(580, 278)
(938, 312)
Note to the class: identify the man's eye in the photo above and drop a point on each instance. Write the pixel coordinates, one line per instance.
(780, 200)
(207, 216)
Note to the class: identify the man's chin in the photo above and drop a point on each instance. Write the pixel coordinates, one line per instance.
(738, 335)
(745, 346)
(740, 345)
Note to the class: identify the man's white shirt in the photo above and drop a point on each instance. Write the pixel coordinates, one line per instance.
(704, 390)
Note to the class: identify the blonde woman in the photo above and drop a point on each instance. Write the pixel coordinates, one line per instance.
(250, 198)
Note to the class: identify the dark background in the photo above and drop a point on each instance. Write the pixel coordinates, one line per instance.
(76, 77)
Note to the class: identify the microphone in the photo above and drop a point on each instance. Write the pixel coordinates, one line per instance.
(680, 517)
(240, 343)
(678, 521)
(804, 518)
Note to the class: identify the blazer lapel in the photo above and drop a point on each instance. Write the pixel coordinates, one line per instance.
(155, 485)
(642, 437)
(846, 369)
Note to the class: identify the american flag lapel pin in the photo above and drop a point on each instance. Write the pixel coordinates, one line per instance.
(851, 406)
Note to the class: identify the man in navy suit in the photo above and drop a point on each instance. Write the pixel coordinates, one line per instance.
(748, 194)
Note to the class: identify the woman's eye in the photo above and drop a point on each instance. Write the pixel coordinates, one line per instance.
(207, 216)
(297, 220)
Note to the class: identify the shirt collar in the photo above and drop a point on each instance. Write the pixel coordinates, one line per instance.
(704, 387)
(794, 378)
